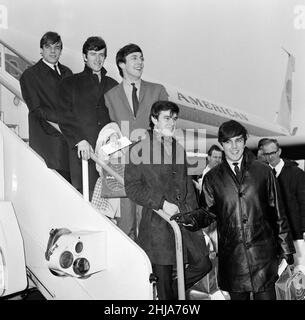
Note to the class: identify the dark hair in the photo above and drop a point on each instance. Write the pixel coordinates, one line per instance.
(214, 147)
(125, 51)
(162, 105)
(95, 44)
(50, 37)
(262, 142)
(230, 129)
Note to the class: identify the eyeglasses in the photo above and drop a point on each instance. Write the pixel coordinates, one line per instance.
(266, 154)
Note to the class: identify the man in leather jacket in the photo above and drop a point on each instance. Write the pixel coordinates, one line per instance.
(253, 232)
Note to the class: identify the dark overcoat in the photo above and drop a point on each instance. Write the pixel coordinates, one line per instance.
(40, 91)
(150, 179)
(292, 183)
(82, 114)
(251, 223)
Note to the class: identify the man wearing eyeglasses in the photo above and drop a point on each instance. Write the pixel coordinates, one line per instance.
(292, 183)
(156, 178)
(253, 231)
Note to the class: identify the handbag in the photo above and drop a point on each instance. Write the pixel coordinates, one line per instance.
(291, 284)
(111, 187)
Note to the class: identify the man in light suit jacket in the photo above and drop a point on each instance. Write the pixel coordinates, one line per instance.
(129, 105)
(40, 90)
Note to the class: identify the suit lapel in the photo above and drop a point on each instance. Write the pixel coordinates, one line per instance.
(142, 91)
(123, 97)
(62, 70)
(47, 73)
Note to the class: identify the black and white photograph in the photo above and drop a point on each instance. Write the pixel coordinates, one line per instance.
(152, 153)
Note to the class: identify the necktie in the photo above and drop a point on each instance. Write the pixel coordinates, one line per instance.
(274, 172)
(135, 101)
(237, 171)
(98, 75)
(56, 69)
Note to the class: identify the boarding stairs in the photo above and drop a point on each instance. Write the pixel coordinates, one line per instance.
(13, 113)
(13, 110)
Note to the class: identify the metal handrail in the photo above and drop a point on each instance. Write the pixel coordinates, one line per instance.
(174, 225)
(16, 52)
(179, 253)
(11, 65)
(3, 79)
(11, 88)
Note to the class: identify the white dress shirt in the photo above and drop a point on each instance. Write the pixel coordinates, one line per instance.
(52, 65)
(278, 168)
(232, 165)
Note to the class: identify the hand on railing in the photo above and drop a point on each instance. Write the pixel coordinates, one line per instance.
(84, 149)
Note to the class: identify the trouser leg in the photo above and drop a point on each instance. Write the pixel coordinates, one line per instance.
(196, 270)
(265, 295)
(165, 289)
(65, 174)
(240, 295)
(127, 221)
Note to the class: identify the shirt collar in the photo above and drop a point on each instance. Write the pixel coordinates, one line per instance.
(232, 165)
(205, 170)
(51, 65)
(90, 71)
(278, 168)
(159, 136)
(127, 83)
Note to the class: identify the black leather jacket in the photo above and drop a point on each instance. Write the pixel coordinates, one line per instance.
(251, 224)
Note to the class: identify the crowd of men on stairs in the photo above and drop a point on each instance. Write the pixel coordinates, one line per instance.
(254, 207)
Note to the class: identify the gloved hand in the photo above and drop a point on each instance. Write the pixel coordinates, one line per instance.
(185, 219)
(289, 258)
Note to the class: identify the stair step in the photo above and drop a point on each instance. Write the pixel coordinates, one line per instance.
(14, 127)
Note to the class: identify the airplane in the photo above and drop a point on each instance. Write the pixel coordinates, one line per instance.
(49, 232)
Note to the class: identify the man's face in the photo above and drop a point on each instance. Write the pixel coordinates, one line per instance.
(271, 153)
(95, 59)
(51, 52)
(133, 68)
(166, 123)
(234, 148)
(215, 158)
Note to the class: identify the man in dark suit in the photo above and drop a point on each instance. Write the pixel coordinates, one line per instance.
(291, 179)
(39, 86)
(82, 110)
(156, 178)
(129, 105)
